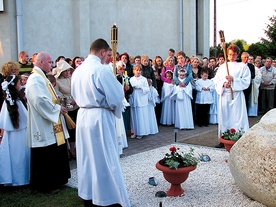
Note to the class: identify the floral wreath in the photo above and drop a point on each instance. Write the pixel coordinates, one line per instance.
(5, 87)
(182, 72)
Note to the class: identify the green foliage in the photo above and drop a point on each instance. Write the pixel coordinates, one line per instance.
(257, 49)
(270, 42)
(176, 160)
(25, 197)
(232, 134)
(266, 47)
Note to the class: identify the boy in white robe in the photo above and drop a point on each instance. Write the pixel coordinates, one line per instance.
(232, 112)
(204, 98)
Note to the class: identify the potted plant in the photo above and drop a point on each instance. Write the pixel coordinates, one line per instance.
(176, 167)
(230, 136)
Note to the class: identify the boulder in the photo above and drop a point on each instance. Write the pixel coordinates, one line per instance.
(252, 161)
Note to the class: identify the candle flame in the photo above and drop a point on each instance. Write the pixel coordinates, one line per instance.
(115, 24)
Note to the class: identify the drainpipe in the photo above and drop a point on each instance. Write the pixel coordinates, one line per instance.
(19, 25)
(181, 25)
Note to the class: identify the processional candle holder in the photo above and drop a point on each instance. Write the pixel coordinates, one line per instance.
(114, 44)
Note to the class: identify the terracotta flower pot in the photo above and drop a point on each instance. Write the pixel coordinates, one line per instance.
(175, 177)
(227, 143)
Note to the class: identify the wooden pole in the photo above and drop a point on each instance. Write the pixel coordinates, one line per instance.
(114, 44)
(223, 44)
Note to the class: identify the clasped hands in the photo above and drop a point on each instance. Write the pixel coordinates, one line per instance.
(227, 84)
(63, 110)
(182, 84)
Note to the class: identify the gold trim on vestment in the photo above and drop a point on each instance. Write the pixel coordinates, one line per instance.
(58, 129)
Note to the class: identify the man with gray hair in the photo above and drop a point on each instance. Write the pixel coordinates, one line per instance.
(245, 58)
(267, 86)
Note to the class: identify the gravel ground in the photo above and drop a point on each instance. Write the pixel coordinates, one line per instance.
(210, 184)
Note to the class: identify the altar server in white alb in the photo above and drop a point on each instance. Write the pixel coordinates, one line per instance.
(99, 96)
(182, 95)
(232, 112)
(204, 98)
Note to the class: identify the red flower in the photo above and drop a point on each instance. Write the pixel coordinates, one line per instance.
(232, 130)
(173, 149)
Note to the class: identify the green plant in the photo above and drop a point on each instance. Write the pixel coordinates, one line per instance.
(232, 134)
(175, 159)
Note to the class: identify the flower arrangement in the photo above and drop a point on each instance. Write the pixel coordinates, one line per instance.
(233, 134)
(175, 159)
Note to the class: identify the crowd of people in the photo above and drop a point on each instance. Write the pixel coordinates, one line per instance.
(144, 93)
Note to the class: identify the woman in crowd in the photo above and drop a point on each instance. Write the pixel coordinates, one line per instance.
(8, 69)
(76, 62)
(169, 66)
(158, 64)
(196, 70)
(63, 85)
(125, 58)
(147, 70)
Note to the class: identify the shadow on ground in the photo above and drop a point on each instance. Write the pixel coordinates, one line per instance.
(209, 139)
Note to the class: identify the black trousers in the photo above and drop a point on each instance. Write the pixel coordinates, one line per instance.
(202, 113)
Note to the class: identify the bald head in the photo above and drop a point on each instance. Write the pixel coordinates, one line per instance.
(44, 61)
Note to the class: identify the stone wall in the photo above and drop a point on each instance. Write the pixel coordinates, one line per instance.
(67, 27)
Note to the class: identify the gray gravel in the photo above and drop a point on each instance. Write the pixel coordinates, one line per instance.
(211, 184)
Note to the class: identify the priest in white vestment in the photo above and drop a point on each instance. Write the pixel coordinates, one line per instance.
(232, 113)
(99, 96)
(49, 160)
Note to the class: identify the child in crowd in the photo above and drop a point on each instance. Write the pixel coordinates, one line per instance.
(183, 107)
(158, 107)
(153, 99)
(14, 153)
(204, 98)
(139, 104)
(119, 122)
(23, 81)
(168, 106)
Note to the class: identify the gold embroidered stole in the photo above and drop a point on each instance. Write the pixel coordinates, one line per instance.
(60, 137)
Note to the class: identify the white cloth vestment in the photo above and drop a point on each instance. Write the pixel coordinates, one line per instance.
(99, 96)
(232, 113)
(14, 153)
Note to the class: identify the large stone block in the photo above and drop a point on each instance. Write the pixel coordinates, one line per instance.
(252, 161)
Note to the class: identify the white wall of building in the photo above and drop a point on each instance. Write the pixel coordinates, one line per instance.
(67, 27)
